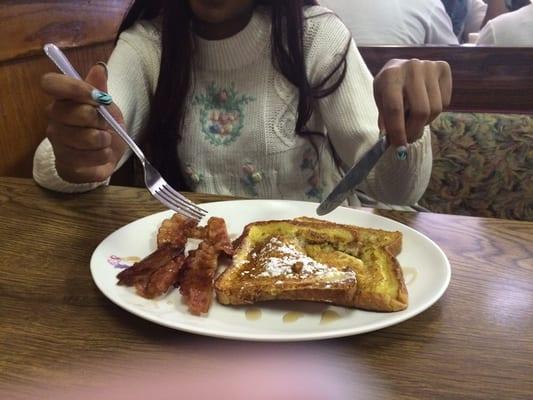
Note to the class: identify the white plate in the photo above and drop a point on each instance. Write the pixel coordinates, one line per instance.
(426, 271)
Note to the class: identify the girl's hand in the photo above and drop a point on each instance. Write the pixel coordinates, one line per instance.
(409, 95)
(85, 147)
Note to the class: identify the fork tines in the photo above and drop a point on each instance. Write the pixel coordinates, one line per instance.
(179, 203)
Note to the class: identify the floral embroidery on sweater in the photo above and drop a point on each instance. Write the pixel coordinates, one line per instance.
(251, 178)
(310, 164)
(221, 113)
(193, 178)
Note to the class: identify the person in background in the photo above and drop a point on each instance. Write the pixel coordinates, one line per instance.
(470, 16)
(514, 5)
(511, 29)
(395, 22)
(495, 8)
(457, 10)
(262, 99)
(467, 16)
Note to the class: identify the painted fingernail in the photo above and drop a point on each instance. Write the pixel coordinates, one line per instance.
(101, 97)
(401, 153)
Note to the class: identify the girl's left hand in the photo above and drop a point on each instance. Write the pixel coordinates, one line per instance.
(409, 95)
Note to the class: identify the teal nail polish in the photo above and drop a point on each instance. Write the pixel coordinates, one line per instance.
(101, 97)
(401, 153)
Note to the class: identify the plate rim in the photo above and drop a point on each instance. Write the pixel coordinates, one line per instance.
(282, 336)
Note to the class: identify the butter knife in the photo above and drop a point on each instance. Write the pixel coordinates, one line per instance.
(353, 177)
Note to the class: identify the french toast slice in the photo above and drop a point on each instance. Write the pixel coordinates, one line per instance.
(315, 260)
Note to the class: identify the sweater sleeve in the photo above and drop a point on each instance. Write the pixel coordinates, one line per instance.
(133, 71)
(350, 115)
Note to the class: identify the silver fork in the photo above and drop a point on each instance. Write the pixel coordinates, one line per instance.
(153, 180)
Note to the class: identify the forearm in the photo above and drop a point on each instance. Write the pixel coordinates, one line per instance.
(494, 8)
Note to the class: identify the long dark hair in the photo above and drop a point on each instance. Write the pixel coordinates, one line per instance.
(167, 109)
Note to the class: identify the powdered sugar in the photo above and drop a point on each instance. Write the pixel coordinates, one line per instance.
(282, 259)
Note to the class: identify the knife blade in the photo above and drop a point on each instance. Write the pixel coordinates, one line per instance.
(353, 177)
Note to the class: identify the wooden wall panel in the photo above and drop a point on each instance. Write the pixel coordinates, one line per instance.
(68, 23)
(84, 28)
(22, 118)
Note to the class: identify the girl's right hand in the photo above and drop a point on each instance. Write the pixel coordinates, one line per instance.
(85, 147)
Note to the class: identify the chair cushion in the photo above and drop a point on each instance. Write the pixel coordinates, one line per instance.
(483, 166)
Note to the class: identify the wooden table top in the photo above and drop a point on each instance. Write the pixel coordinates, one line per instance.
(476, 342)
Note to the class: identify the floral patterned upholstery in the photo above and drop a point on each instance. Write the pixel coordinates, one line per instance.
(483, 166)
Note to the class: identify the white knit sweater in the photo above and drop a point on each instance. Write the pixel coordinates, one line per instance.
(239, 138)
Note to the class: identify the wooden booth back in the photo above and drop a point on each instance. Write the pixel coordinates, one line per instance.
(485, 79)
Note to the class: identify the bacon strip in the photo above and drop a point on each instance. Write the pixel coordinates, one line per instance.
(144, 268)
(167, 266)
(217, 235)
(176, 230)
(162, 279)
(198, 232)
(196, 279)
(156, 273)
